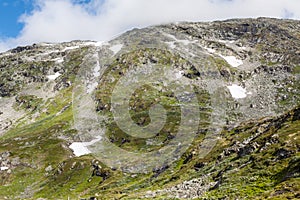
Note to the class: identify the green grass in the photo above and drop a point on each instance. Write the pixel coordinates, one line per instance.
(296, 69)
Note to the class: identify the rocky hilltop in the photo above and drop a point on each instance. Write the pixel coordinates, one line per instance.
(245, 78)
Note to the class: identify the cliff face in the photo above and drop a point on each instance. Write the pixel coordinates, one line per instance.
(230, 91)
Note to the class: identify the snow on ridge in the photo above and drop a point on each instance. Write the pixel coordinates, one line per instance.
(237, 91)
(71, 48)
(80, 148)
(99, 43)
(54, 76)
(89, 43)
(232, 60)
(93, 43)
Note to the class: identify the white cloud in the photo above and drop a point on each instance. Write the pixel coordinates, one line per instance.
(65, 20)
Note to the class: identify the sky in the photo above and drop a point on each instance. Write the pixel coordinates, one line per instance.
(24, 22)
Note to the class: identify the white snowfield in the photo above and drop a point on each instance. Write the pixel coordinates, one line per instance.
(80, 148)
(237, 92)
(54, 76)
(231, 60)
(116, 48)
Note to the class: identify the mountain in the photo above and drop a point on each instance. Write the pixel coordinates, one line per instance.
(206, 110)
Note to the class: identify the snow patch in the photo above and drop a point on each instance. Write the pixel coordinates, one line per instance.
(231, 60)
(237, 92)
(91, 87)
(226, 41)
(116, 48)
(58, 60)
(179, 74)
(80, 148)
(70, 48)
(210, 50)
(4, 168)
(54, 76)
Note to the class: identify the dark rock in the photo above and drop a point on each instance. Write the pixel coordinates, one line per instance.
(124, 140)
(283, 153)
(188, 158)
(296, 114)
(225, 73)
(160, 170)
(245, 150)
(98, 171)
(193, 73)
(291, 171)
(20, 49)
(216, 186)
(199, 165)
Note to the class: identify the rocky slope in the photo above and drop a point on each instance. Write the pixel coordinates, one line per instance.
(245, 74)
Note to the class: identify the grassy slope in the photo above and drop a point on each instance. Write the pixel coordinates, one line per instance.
(259, 174)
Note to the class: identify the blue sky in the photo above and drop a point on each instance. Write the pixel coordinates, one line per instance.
(10, 12)
(24, 22)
